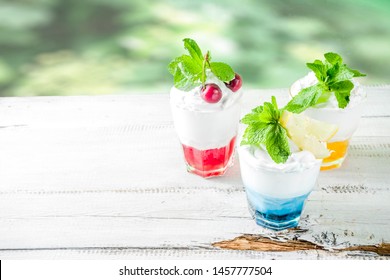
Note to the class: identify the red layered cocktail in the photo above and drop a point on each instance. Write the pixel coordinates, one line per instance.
(206, 111)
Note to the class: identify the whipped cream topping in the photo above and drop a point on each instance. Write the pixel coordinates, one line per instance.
(346, 119)
(205, 125)
(296, 177)
(298, 161)
(357, 94)
(192, 100)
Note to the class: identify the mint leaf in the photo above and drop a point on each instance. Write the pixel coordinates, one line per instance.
(193, 49)
(189, 65)
(356, 73)
(324, 97)
(223, 71)
(189, 71)
(186, 72)
(180, 81)
(277, 143)
(264, 129)
(172, 66)
(258, 110)
(305, 99)
(274, 104)
(331, 72)
(253, 117)
(333, 78)
(270, 112)
(319, 69)
(342, 91)
(255, 134)
(341, 73)
(184, 81)
(333, 58)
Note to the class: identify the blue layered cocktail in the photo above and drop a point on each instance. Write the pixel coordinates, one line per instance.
(280, 159)
(276, 193)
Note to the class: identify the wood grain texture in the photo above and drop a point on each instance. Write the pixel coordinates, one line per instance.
(182, 254)
(266, 244)
(104, 177)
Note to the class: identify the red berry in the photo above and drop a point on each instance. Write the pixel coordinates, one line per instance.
(211, 93)
(235, 84)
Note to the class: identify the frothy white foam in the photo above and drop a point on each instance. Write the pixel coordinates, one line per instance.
(192, 100)
(357, 96)
(297, 176)
(346, 119)
(205, 125)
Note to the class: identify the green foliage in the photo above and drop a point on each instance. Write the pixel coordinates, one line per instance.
(223, 71)
(264, 129)
(306, 98)
(333, 77)
(115, 46)
(189, 71)
(193, 49)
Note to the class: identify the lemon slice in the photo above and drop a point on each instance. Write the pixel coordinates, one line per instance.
(312, 144)
(308, 134)
(321, 130)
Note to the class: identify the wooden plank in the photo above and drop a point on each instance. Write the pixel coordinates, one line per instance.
(180, 254)
(119, 110)
(122, 157)
(165, 218)
(254, 242)
(88, 176)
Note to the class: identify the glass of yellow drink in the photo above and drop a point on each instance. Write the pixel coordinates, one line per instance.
(347, 119)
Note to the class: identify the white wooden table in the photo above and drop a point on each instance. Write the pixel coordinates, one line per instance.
(104, 178)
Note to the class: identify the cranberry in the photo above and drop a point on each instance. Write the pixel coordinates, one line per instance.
(235, 84)
(211, 93)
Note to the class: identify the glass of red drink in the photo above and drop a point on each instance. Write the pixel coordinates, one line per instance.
(207, 132)
(205, 103)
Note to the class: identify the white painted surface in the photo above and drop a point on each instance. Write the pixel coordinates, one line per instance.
(103, 177)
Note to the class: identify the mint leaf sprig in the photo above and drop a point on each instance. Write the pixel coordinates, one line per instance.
(264, 128)
(190, 70)
(333, 77)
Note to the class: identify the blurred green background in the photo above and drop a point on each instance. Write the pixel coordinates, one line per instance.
(77, 47)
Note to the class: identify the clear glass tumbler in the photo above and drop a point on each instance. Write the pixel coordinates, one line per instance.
(276, 194)
(208, 135)
(347, 119)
